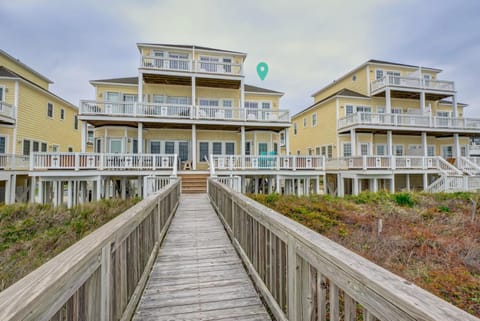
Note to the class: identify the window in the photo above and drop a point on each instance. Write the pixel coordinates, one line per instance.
(183, 151)
(26, 147)
(62, 114)
(317, 151)
(169, 148)
(98, 145)
(209, 64)
(248, 148)
(463, 150)
(262, 148)
(304, 122)
(3, 144)
(298, 152)
(43, 147)
(36, 146)
(378, 74)
(155, 147)
(431, 150)
(447, 151)
(134, 146)
(329, 151)
(178, 61)
(56, 148)
(75, 122)
(50, 110)
(282, 138)
(324, 150)
(90, 136)
(229, 148)
(2, 93)
(294, 128)
(70, 149)
(363, 109)
(314, 120)
(217, 148)
(364, 149)
(310, 151)
(398, 150)
(381, 149)
(347, 149)
(348, 109)
(203, 149)
(275, 148)
(30, 146)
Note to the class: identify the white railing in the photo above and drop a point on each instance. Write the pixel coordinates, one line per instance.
(473, 150)
(102, 161)
(10, 161)
(411, 82)
(7, 110)
(451, 184)
(153, 184)
(233, 182)
(408, 120)
(189, 65)
(467, 166)
(266, 162)
(166, 111)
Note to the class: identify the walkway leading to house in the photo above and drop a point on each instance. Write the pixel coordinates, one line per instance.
(197, 274)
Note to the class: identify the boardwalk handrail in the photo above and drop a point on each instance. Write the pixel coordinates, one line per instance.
(101, 276)
(297, 269)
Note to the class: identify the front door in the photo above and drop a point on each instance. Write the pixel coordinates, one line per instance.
(447, 151)
(116, 146)
(183, 151)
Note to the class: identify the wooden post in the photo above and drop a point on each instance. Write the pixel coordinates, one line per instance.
(105, 282)
(292, 282)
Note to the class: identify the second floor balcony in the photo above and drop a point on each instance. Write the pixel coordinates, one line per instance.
(183, 112)
(7, 113)
(407, 122)
(405, 83)
(191, 65)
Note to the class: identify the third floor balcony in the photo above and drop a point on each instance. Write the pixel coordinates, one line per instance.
(7, 113)
(181, 113)
(408, 122)
(442, 87)
(220, 67)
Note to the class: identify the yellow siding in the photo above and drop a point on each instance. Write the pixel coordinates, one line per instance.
(357, 83)
(9, 92)
(15, 67)
(34, 124)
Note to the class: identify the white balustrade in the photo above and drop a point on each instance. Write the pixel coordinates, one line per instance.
(189, 65)
(411, 82)
(7, 110)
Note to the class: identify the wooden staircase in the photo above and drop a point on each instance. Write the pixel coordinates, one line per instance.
(194, 183)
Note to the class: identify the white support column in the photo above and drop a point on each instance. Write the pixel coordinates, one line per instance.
(270, 184)
(454, 106)
(83, 148)
(41, 197)
(69, 194)
(15, 105)
(194, 97)
(8, 189)
(33, 187)
(355, 186)
(340, 191)
(456, 146)
(425, 181)
(422, 102)
(307, 186)
(140, 138)
(98, 189)
(242, 141)
(424, 144)
(194, 147)
(242, 94)
(123, 186)
(407, 182)
(140, 87)
(375, 185)
(277, 184)
(388, 101)
(353, 142)
(287, 142)
(392, 184)
(317, 185)
(389, 143)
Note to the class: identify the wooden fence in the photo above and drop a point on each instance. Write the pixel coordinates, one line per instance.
(101, 277)
(305, 276)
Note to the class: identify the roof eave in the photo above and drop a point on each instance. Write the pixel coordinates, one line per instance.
(15, 60)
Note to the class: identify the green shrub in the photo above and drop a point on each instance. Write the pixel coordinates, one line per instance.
(444, 209)
(403, 199)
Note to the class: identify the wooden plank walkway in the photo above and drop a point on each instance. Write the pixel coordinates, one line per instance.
(197, 274)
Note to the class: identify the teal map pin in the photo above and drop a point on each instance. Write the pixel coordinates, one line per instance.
(262, 70)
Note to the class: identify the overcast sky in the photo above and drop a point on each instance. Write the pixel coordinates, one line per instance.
(307, 43)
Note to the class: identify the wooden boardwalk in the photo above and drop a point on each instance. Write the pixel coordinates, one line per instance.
(197, 274)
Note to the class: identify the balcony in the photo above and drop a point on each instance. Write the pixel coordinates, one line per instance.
(190, 65)
(408, 122)
(441, 87)
(187, 113)
(14, 162)
(7, 113)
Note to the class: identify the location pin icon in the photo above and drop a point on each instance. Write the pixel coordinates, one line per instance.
(262, 70)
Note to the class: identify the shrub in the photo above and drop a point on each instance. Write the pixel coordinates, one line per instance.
(403, 199)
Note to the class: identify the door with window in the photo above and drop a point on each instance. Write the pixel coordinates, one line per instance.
(155, 147)
(115, 146)
(227, 65)
(129, 101)
(3, 144)
(364, 149)
(183, 151)
(443, 118)
(209, 64)
(178, 61)
(393, 77)
(415, 150)
(262, 148)
(209, 108)
(113, 103)
(447, 151)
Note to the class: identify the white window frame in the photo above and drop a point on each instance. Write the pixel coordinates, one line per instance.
(295, 129)
(48, 110)
(62, 113)
(395, 149)
(116, 139)
(376, 73)
(314, 120)
(433, 149)
(362, 144)
(343, 149)
(6, 143)
(3, 89)
(384, 149)
(305, 122)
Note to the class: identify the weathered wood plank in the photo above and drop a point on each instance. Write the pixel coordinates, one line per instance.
(197, 274)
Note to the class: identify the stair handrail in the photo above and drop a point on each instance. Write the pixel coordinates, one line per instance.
(467, 166)
(447, 167)
(436, 186)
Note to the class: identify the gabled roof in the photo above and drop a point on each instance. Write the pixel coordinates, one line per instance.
(341, 93)
(255, 89)
(191, 47)
(372, 62)
(134, 81)
(17, 61)
(7, 73)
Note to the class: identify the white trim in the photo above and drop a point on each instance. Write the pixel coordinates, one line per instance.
(112, 83)
(62, 118)
(4, 96)
(343, 149)
(53, 110)
(6, 143)
(316, 120)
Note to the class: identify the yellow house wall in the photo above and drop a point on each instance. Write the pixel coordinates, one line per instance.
(15, 67)
(9, 93)
(34, 124)
(359, 85)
